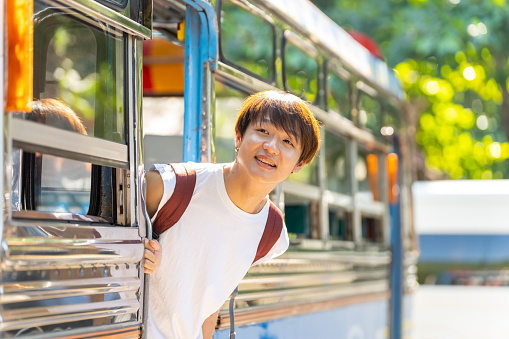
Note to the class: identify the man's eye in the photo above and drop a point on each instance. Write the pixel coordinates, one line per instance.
(262, 130)
(288, 142)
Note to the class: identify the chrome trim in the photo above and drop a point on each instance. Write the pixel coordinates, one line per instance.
(257, 315)
(38, 290)
(289, 284)
(50, 246)
(40, 316)
(37, 215)
(35, 137)
(104, 14)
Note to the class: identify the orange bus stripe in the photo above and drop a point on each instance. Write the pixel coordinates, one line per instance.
(20, 51)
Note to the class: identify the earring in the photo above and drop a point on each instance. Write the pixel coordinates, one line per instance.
(236, 154)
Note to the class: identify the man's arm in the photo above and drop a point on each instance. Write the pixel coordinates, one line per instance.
(209, 325)
(155, 189)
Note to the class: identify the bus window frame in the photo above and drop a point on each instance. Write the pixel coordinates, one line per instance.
(307, 48)
(97, 151)
(260, 14)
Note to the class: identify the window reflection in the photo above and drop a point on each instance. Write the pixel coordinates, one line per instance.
(83, 67)
(338, 179)
(247, 40)
(300, 72)
(65, 185)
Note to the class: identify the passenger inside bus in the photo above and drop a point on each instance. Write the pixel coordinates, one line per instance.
(212, 246)
(50, 174)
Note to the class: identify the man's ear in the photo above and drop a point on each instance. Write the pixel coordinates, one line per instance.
(298, 167)
(238, 139)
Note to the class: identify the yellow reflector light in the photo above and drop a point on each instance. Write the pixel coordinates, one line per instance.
(392, 171)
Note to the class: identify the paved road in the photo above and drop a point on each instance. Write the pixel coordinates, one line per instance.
(461, 312)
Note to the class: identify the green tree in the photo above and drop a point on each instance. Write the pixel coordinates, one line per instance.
(452, 59)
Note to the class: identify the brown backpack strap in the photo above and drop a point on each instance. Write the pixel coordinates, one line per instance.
(271, 233)
(175, 207)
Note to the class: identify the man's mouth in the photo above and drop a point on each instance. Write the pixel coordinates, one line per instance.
(266, 161)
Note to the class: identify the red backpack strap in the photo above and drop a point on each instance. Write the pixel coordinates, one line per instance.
(175, 207)
(271, 233)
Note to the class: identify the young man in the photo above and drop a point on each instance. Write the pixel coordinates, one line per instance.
(212, 246)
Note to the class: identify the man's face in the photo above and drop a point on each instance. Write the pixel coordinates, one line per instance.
(268, 154)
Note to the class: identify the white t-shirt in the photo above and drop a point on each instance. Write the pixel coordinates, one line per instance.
(205, 255)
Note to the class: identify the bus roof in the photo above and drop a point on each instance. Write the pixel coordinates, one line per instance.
(461, 206)
(323, 31)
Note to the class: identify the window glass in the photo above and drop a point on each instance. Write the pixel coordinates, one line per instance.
(228, 104)
(300, 72)
(392, 118)
(338, 95)
(369, 113)
(340, 224)
(372, 229)
(65, 185)
(83, 68)
(336, 161)
(367, 175)
(247, 40)
(301, 217)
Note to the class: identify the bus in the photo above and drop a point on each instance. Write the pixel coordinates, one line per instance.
(350, 269)
(462, 230)
(72, 232)
(97, 90)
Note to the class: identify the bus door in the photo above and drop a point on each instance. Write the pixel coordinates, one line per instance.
(72, 241)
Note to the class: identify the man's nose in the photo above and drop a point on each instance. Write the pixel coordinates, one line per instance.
(271, 145)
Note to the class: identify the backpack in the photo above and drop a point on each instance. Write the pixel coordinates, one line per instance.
(175, 207)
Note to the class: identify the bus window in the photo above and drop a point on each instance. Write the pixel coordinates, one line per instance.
(300, 68)
(228, 104)
(340, 224)
(336, 160)
(301, 217)
(63, 185)
(247, 41)
(367, 176)
(338, 94)
(83, 67)
(369, 113)
(371, 229)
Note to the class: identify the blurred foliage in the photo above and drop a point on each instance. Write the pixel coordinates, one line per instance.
(452, 58)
